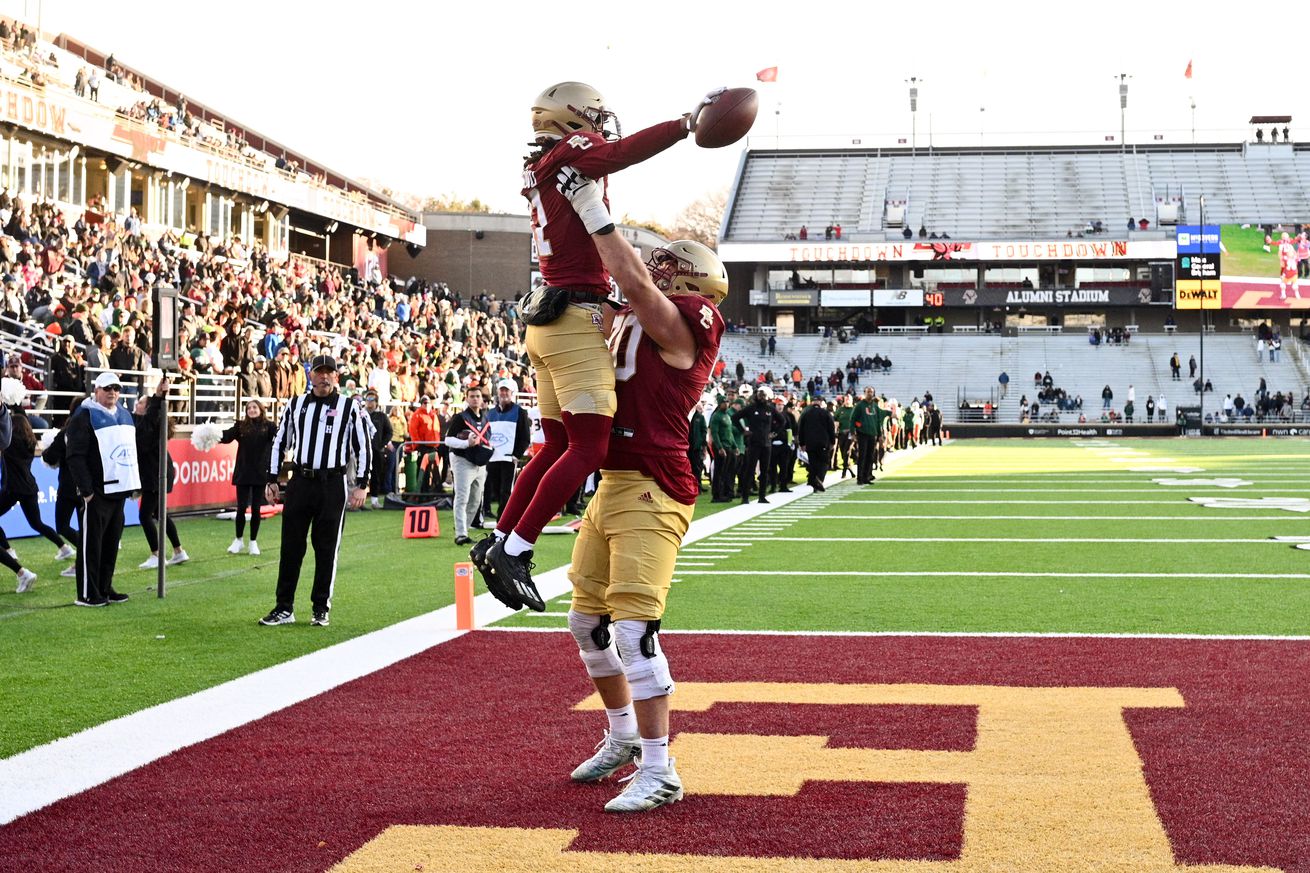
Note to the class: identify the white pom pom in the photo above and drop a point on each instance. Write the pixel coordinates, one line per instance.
(206, 436)
(12, 392)
(46, 439)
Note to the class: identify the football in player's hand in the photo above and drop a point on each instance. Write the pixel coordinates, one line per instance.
(727, 119)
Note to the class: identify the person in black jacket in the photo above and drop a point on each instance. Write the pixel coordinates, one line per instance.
(66, 501)
(149, 417)
(20, 490)
(757, 420)
(253, 435)
(818, 434)
(377, 483)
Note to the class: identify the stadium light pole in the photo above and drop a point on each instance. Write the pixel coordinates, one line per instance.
(1123, 110)
(913, 82)
(1201, 341)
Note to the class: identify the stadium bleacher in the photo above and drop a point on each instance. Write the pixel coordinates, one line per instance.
(1015, 193)
(967, 367)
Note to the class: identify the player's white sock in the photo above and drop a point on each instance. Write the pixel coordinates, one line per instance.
(495, 532)
(623, 721)
(655, 753)
(515, 545)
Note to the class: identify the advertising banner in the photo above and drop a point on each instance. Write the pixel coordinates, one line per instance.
(793, 298)
(204, 479)
(47, 484)
(1046, 297)
(946, 250)
(1059, 431)
(858, 297)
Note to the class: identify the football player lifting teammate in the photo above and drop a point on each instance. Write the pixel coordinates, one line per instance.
(664, 344)
(566, 318)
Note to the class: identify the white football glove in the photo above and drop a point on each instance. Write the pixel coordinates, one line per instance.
(692, 117)
(586, 198)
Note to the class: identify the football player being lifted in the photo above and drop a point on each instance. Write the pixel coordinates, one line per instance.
(566, 318)
(664, 344)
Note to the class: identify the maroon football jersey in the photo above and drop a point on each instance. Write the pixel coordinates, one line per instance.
(565, 251)
(655, 400)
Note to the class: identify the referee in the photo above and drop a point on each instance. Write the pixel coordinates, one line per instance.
(325, 431)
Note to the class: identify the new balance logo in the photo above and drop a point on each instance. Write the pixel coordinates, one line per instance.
(646, 497)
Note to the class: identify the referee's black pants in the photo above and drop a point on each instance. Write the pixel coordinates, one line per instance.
(314, 509)
(101, 526)
(864, 469)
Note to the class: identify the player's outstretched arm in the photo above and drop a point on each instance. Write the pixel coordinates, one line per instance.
(659, 318)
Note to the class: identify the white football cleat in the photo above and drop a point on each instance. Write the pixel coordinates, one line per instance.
(65, 553)
(648, 789)
(235, 548)
(612, 753)
(254, 547)
(25, 579)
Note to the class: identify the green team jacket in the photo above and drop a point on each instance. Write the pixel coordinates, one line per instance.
(864, 417)
(721, 430)
(696, 438)
(843, 416)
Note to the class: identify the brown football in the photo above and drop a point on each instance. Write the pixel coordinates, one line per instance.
(727, 119)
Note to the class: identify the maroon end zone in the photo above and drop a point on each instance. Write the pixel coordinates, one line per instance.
(482, 732)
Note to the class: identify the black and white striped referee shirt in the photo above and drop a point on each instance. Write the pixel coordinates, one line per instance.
(324, 433)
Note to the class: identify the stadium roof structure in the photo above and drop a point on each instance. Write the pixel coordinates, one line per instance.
(1045, 192)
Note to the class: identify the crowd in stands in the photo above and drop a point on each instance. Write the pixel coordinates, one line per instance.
(84, 291)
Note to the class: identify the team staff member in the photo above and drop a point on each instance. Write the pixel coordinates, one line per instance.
(623, 559)
(101, 455)
(66, 499)
(696, 445)
(758, 420)
(253, 435)
(868, 428)
(377, 485)
(817, 433)
(468, 437)
(844, 435)
(781, 456)
(724, 443)
(325, 431)
(511, 434)
(425, 431)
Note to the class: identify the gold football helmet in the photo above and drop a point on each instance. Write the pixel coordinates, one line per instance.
(569, 107)
(687, 267)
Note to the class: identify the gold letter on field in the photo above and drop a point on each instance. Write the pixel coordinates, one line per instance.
(1053, 783)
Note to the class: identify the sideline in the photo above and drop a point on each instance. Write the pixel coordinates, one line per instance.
(70, 765)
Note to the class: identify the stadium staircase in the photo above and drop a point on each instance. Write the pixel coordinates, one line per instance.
(958, 368)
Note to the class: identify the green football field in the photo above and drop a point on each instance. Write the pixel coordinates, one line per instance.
(979, 536)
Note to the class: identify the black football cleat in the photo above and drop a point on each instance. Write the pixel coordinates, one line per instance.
(499, 590)
(514, 572)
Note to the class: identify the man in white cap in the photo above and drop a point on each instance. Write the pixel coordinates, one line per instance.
(101, 440)
(511, 434)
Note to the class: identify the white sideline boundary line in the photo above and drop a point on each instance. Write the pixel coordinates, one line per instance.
(973, 574)
(1008, 635)
(1191, 519)
(1275, 541)
(43, 775)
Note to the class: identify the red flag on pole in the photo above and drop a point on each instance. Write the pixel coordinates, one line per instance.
(1188, 74)
(768, 74)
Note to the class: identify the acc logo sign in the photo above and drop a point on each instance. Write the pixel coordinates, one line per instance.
(1054, 783)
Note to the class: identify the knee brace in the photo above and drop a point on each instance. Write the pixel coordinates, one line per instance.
(595, 645)
(643, 660)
